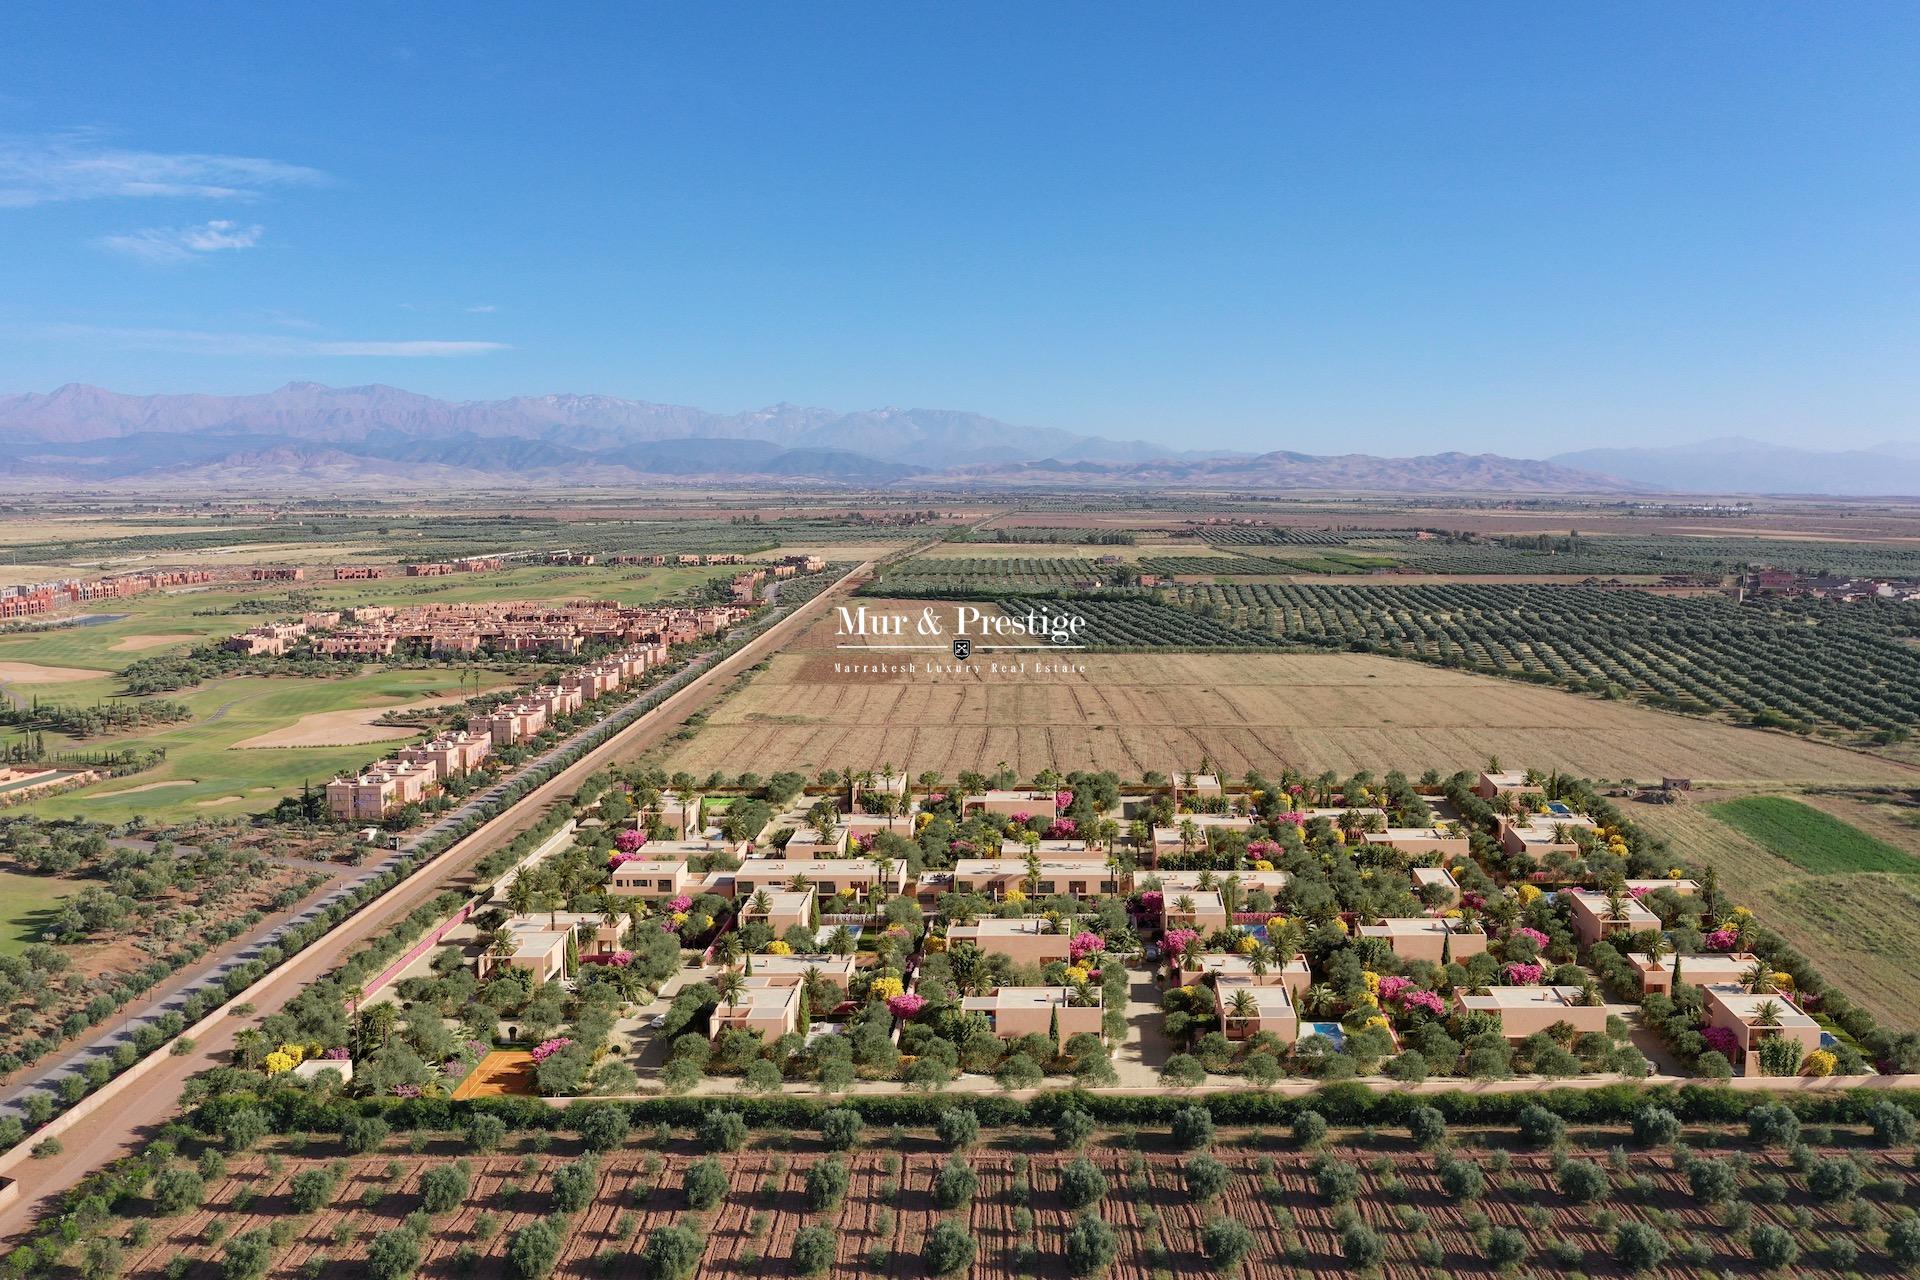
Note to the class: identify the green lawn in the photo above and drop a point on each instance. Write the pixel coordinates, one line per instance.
(1809, 839)
(26, 901)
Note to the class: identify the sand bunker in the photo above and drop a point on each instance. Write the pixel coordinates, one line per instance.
(208, 804)
(347, 728)
(34, 673)
(134, 644)
(145, 786)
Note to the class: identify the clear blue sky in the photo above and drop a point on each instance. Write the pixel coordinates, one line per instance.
(1401, 228)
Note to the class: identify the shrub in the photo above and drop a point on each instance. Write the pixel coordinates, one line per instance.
(1893, 1125)
(1427, 1127)
(1638, 1247)
(574, 1185)
(1834, 1179)
(242, 1127)
(1226, 1242)
(601, 1125)
(1206, 1178)
(1540, 1127)
(534, 1249)
(1506, 1247)
(840, 1128)
(1773, 1125)
(955, 1184)
(444, 1187)
(1309, 1128)
(672, 1253)
(1655, 1127)
(1461, 1178)
(362, 1134)
(1903, 1242)
(1192, 1128)
(827, 1184)
(1713, 1181)
(485, 1132)
(1183, 1071)
(958, 1128)
(1360, 1245)
(393, 1255)
(177, 1190)
(309, 1190)
(1091, 1246)
(1082, 1184)
(1336, 1178)
(949, 1248)
(813, 1250)
(1072, 1129)
(246, 1256)
(1583, 1181)
(705, 1183)
(721, 1131)
(1773, 1247)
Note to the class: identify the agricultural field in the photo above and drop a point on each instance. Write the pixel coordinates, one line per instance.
(1791, 665)
(1848, 900)
(1718, 1203)
(27, 902)
(1136, 712)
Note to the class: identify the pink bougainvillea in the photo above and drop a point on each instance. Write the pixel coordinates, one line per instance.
(1639, 891)
(1539, 938)
(1524, 975)
(406, 1091)
(1722, 1039)
(1425, 1000)
(865, 841)
(1062, 829)
(338, 1053)
(1293, 816)
(1473, 900)
(1391, 987)
(1062, 799)
(1261, 848)
(936, 797)
(906, 1005)
(1176, 940)
(1022, 819)
(1151, 901)
(620, 959)
(547, 1048)
(1084, 945)
(630, 841)
(1722, 940)
(680, 902)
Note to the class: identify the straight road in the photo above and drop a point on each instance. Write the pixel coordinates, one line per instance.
(139, 1107)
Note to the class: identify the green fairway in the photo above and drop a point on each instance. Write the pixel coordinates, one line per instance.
(26, 902)
(207, 774)
(1809, 839)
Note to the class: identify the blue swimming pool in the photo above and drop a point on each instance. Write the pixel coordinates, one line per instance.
(1331, 1030)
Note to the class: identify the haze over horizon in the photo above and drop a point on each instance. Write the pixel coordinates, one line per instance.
(1386, 230)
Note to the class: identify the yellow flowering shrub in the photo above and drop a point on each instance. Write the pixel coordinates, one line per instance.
(885, 988)
(1527, 893)
(1016, 896)
(1261, 864)
(278, 1063)
(778, 947)
(1247, 945)
(295, 1052)
(1372, 980)
(1078, 973)
(1820, 1062)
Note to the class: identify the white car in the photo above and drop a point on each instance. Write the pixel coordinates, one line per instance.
(656, 1022)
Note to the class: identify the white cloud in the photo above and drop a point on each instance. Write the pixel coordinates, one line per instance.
(166, 246)
(77, 165)
(482, 309)
(198, 342)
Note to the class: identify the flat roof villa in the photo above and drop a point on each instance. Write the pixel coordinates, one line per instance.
(539, 942)
(828, 875)
(1508, 783)
(1684, 888)
(649, 878)
(768, 1006)
(1539, 834)
(1193, 909)
(1035, 804)
(806, 844)
(1525, 1010)
(1025, 940)
(1753, 1017)
(839, 968)
(995, 877)
(1060, 850)
(1702, 970)
(1172, 882)
(1434, 939)
(1013, 1012)
(1247, 1008)
(1423, 877)
(782, 909)
(1445, 841)
(1294, 975)
(1594, 919)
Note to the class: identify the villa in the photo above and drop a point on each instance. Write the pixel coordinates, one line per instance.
(996, 877)
(1523, 1011)
(1294, 975)
(653, 878)
(1435, 939)
(1247, 1008)
(1025, 941)
(1754, 1016)
(1013, 1012)
(1704, 970)
(1035, 804)
(829, 876)
(1491, 786)
(1594, 917)
(768, 1006)
(782, 909)
(1539, 835)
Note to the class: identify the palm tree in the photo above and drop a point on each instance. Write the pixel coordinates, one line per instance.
(1189, 833)
(728, 949)
(1184, 903)
(761, 903)
(1031, 880)
(1242, 1005)
(1767, 1014)
(354, 994)
(250, 1045)
(1759, 978)
(1258, 964)
(520, 896)
(883, 876)
(730, 986)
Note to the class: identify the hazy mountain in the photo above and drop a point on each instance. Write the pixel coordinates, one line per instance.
(1735, 465)
(1359, 472)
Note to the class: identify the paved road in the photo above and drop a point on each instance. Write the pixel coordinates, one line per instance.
(141, 1106)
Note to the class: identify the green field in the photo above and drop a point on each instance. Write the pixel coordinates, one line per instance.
(1809, 839)
(25, 903)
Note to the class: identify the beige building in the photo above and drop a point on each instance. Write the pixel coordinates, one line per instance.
(1013, 1012)
(829, 876)
(1193, 909)
(651, 878)
(1247, 1008)
(996, 877)
(1448, 842)
(1704, 970)
(781, 910)
(1423, 877)
(1593, 917)
(1026, 941)
(1539, 835)
(1035, 804)
(1294, 975)
(1753, 1017)
(1525, 1010)
(1434, 939)
(1491, 786)
(769, 1007)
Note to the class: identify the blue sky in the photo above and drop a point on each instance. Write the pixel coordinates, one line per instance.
(1383, 228)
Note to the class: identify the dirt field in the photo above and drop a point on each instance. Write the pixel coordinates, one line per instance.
(882, 1225)
(339, 728)
(1137, 712)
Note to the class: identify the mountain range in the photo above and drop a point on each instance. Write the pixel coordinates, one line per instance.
(309, 436)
